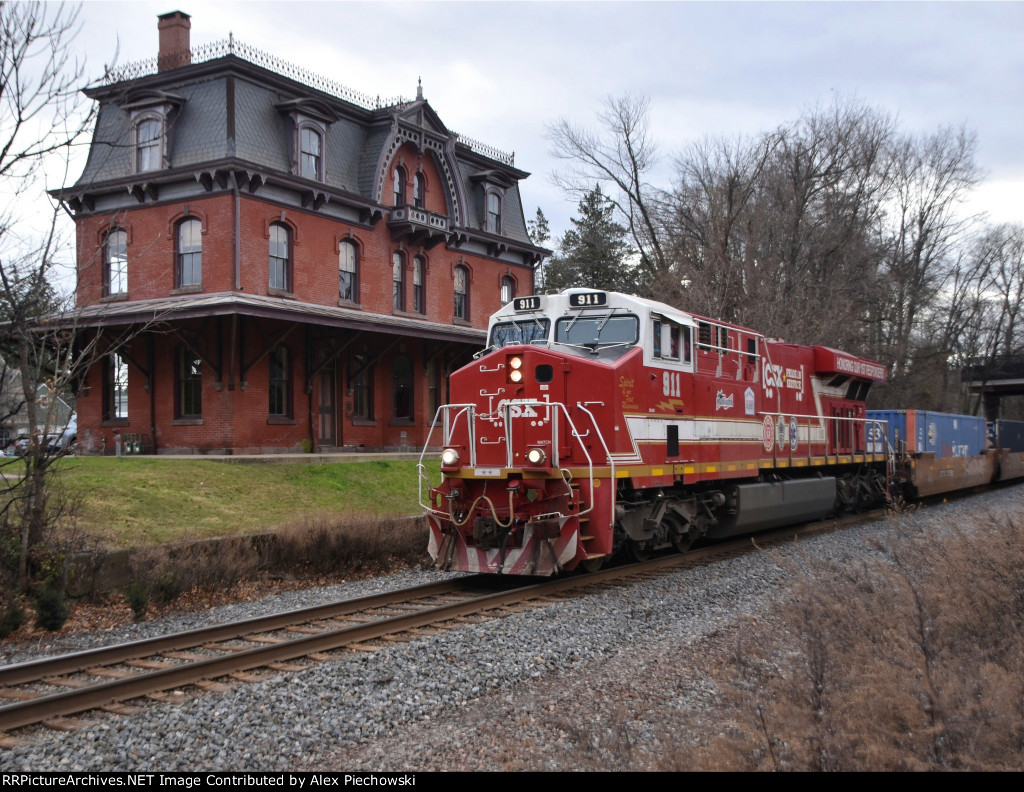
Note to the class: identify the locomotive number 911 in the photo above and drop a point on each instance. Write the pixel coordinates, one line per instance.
(595, 423)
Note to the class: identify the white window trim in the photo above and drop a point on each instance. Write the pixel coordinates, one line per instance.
(301, 123)
(138, 118)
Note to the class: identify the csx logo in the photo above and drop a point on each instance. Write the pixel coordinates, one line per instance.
(517, 410)
(772, 377)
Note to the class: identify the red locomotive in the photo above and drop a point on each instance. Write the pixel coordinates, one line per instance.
(596, 421)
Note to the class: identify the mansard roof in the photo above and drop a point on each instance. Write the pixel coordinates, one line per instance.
(233, 112)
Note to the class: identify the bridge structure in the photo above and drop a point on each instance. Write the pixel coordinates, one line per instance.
(995, 379)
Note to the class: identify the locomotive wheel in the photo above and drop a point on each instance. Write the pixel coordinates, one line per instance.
(682, 542)
(593, 564)
(641, 551)
(682, 537)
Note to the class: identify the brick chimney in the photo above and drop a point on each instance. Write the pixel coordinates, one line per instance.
(174, 40)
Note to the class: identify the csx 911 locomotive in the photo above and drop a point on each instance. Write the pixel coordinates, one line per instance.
(596, 422)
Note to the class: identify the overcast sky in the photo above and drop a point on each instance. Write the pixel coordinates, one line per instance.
(502, 72)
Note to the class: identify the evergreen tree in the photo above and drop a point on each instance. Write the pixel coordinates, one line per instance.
(538, 229)
(594, 253)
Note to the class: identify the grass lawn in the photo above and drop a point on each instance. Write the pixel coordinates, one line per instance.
(132, 501)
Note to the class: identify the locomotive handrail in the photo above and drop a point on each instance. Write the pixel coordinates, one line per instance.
(607, 454)
(469, 410)
(824, 423)
(444, 411)
(558, 407)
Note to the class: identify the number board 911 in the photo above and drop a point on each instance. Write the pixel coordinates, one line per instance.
(526, 304)
(587, 299)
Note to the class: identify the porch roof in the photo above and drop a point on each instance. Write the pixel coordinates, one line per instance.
(191, 306)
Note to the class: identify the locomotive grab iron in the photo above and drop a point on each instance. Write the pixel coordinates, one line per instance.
(596, 422)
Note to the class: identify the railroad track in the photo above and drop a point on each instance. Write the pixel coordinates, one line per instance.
(49, 690)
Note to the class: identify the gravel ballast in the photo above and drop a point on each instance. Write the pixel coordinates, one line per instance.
(530, 690)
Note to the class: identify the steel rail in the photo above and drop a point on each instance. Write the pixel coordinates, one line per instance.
(41, 708)
(34, 670)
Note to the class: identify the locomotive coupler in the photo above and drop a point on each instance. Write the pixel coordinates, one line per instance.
(487, 533)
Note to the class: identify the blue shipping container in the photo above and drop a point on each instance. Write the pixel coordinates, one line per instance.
(1009, 435)
(923, 432)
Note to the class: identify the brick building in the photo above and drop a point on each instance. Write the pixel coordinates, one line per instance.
(272, 262)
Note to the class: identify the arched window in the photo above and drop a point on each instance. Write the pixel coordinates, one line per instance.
(115, 262)
(398, 281)
(399, 186)
(348, 271)
(189, 269)
(418, 190)
(462, 293)
(419, 266)
(280, 257)
(188, 386)
(279, 389)
(310, 146)
(508, 290)
(147, 145)
(493, 213)
(401, 386)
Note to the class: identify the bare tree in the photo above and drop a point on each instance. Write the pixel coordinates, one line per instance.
(618, 156)
(931, 178)
(709, 224)
(42, 118)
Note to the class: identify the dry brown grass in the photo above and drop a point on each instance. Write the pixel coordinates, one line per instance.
(296, 551)
(911, 661)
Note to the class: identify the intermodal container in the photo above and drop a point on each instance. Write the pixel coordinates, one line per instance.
(925, 432)
(1009, 435)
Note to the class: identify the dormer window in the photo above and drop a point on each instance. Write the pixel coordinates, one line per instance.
(151, 116)
(310, 147)
(493, 213)
(309, 120)
(492, 186)
(147, 145)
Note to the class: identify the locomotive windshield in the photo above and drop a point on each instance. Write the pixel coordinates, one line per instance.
(523, 332)
(595, 331)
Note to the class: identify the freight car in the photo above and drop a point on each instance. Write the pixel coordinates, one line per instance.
(596, 422)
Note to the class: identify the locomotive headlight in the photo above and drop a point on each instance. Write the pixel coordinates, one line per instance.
(449, 457)
(515, 369)
(536, 456)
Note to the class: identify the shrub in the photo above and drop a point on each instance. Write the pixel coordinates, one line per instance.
(138, 599)
(51, 607)
(11, 618)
